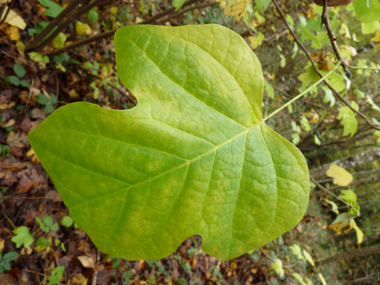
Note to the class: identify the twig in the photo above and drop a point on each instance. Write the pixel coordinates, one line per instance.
(95, 276)
(187, 10)
(326, 21)
(38, 38)
(331, 193)
(62, 26)
(336, 93)
(302, 100)
(9, 220)
(110, 33)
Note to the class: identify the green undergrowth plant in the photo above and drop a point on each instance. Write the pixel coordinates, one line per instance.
(195, 156)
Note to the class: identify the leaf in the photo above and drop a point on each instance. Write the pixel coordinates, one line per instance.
(82, 29)
(299, 278)
(349, 196)
(341, 176)
(366, 13)
(22, 237)
(13, 19)
(42, 99)
(316, 140)
(67, 221)
(329, 97)
(333, 206)
(93, 15)
(87, 261)
(178, 4)
(11, 255)
(296, 250)
(35, 56)
(236, 9)
(254, 43)
(13, 33)
(56, 275)
(14, 80)
(349, 122)
(19, 70)
(53, 8)
(308, 257)
(359, 232)
(59, 41)
(192, 158)
(322, 279)
(277, 266)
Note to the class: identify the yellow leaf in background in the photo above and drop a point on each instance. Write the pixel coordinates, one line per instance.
(359, 232)
(1, 245)
(308, 257)
(322, 279)
(376, 38)
(73, 93)
(13, 19)
(309, 282)
(82, 28)
(13, 34)
(236, 10)
(341, 176)
(80, 279)
(351, 49)
(277, 266)
(254, 42)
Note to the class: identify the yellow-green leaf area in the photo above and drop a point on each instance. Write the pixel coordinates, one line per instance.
(193, 157)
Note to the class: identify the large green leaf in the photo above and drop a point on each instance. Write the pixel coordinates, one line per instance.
(194, 156)
(367, 10)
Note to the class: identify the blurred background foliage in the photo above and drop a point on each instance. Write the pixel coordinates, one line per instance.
(56, 52)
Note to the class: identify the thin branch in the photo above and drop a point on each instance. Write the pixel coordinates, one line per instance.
(326, 21)
(9, 220)
(302, 100)
(112, 32)
(336, 93)
(187, 10)
(65, 24)
(38, 38)
(328, 191)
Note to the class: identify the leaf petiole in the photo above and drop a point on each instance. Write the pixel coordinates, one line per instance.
(302, 93)
(365, 68)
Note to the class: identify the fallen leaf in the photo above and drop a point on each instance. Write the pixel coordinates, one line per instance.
(13, 33)
(28, 180)
(82, 28)
(33, 155)
(17, 139)
(87, 261)
(4, 106)
(1, 245)
(13, 19)
(80, 279)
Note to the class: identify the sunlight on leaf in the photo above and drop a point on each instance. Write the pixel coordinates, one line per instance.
(193, 157)
(277, 266)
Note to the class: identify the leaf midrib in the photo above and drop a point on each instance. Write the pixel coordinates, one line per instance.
(175, 168)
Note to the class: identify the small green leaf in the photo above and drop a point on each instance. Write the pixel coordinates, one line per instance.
(56, 275)
(277, 266)
(316, 140)
(35, 56)
(67, 221)
(48, 220)
(348, 120)
(42, 99)
(296, 250)
(53, 98)
(25, 83)
(19, 70)
(53, 8)
(22, 237)
(11, 255)
(59, 41)
(329, 97)
(93, 16)
(54, 227)
(49, 108)
(305, 124)
(349, 196)
(87, 65)
(178, 4)
(14, 80)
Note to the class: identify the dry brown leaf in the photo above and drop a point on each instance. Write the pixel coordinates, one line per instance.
(73, 93)
(13, 19)
(11, 122)
(17, 139)
(29, 179)
(4, 106)
(87, 261)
